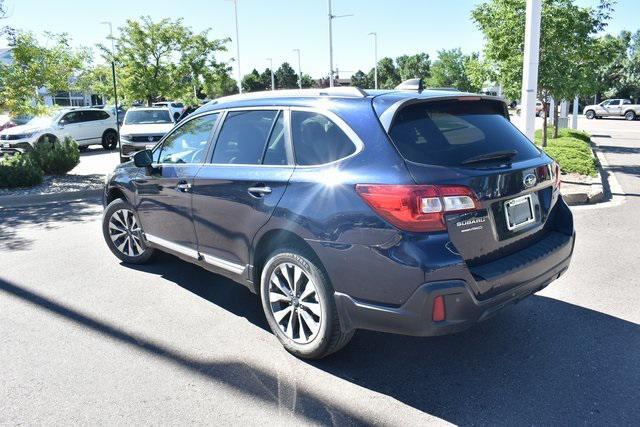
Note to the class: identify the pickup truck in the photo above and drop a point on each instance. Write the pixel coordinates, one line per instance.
(613, 108)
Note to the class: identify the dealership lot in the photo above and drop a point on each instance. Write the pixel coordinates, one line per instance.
(85, 339)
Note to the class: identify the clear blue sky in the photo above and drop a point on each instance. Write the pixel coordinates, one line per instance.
(272, 28)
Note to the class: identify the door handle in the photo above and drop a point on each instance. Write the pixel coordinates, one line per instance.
(259, 191)
(183, 186)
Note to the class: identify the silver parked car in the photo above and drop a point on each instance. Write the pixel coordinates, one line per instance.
(613, 108)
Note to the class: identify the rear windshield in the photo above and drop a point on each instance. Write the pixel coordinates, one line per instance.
(140, 117)
(446, 133)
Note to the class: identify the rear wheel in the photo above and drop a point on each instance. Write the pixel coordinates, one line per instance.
(298, 302)
(590, 114)
(122, 232)
(630, 115)
(109, 139)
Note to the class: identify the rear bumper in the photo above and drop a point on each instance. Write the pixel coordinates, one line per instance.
(463, 308)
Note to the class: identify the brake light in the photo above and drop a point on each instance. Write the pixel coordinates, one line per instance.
(418, 207)
(438, 312)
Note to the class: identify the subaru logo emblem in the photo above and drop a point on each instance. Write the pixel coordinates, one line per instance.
(150, 139)
(529, 180)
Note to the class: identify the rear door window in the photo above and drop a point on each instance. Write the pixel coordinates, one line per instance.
(317, 140)
(243, 137)
(446, 133)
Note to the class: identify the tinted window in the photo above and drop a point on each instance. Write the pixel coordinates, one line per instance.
(88, 116)
(275, 153)
(243, 137)
(446, 133)
(72, 117)
(147, 117)
(188, 143)
(615, 102)
(318, 140)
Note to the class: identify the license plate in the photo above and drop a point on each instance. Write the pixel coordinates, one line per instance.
(519, 212)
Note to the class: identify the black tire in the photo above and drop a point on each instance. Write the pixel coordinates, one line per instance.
(48, 139)
(630, 115)
(590, 114)
(136, 256)
(109, 139)
(330, 337)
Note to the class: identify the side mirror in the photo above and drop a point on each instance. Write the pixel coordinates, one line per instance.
(143, 158)
(61, 123)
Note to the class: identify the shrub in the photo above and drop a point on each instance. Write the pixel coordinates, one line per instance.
(58, 158)
(21, 170)
(571, 150)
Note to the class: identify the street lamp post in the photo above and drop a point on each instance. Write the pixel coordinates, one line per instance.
(375, 58)
(273, 79)
(235, 12)
(299, 72)
(530, 66)
(331, 18)
(115, 86)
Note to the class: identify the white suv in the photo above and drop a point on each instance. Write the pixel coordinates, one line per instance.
(87, 126)
(143, 127)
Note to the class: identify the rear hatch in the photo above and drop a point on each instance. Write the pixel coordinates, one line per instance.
(469, 141)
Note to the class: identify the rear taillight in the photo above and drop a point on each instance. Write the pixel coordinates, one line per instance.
(418, 207)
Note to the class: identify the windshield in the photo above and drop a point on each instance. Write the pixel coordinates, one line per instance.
(44, 121)
(147, 117)
(448, 133)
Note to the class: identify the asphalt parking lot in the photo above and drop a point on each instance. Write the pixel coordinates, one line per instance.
(86, 339)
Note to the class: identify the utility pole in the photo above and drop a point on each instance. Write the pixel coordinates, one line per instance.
(530, 66)
(331, 18)
(115, 86)
(375, 58)
(235, 13)
(273, 79)
(299, 72)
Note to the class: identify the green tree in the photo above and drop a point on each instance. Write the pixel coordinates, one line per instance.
(566, 45)
(414, 66)
(163, 59)
(286, 77)
(217, 81)
(307, 81)
(37, 69)
(388, 76)
(96, 79)
(265, 77)
(361, 80)
(449, 70)
(253, 82)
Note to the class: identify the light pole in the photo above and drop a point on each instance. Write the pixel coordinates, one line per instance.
(530, 66)
(273, 79)
(235, 12)
(375, 58)
(115, 87)
(299, 72)
(331, 18)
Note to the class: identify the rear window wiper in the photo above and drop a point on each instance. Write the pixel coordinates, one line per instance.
(489, 157)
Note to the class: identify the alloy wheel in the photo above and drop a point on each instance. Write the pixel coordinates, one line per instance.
(294, 303)
(125, 233)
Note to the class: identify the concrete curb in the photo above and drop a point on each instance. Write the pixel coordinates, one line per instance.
(39, 199)
(594, 191)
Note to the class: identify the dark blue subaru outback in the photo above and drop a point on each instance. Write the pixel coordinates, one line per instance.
(411, 212)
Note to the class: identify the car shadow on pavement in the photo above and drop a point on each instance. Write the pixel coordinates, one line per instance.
(541, 362)
(45, 216)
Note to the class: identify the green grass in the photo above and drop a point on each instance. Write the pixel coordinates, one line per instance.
(571, 150)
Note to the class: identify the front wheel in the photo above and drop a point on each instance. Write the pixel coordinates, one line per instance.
(590, 114)
(109, 139)
(122, 232)
(630, 115)
(298, 302)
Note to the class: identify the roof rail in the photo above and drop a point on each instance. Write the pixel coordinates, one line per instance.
(411, 84)
(339, 92)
